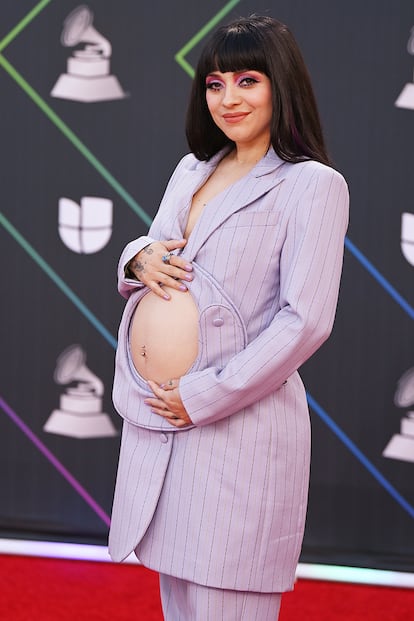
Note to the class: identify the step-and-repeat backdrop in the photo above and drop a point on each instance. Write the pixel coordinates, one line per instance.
(93, 100)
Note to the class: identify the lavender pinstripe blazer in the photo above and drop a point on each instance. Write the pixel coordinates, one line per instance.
(223, 503)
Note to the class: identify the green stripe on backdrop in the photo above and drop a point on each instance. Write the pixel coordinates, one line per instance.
(23, 23)
(179, 57)
(77, 143)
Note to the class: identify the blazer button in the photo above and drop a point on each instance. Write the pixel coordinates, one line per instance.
(218, 322)
(163, 438)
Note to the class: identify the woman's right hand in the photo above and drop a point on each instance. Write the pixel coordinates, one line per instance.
(149, 268)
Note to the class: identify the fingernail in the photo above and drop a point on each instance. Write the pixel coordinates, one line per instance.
(188, 277)
(183, 288)
(188, 267)
(166, 296)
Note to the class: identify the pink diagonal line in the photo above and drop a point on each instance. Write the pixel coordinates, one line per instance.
(55, 462)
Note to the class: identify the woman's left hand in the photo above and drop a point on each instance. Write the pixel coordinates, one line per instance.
(167, 403)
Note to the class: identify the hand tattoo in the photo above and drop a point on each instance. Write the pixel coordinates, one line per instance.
(137, 266)
(148, 250)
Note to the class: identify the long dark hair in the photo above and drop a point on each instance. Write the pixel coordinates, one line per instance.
(265, 45)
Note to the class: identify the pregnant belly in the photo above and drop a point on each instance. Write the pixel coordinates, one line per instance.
(164, 335)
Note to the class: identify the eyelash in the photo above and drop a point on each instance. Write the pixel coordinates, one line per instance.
(215, 85)
(250, 81)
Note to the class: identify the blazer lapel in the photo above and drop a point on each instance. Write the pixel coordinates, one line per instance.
(179, 201)
(268, 173)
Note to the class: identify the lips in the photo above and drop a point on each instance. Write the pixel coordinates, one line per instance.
(235, 117)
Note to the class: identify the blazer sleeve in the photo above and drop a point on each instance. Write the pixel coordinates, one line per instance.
(310, 270)
(127, 285)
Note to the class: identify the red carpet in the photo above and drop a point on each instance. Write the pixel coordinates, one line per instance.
(39, 589)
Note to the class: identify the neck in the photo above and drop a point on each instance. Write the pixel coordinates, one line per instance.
(245, 155)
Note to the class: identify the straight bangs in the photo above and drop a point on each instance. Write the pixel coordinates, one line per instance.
(239, 49)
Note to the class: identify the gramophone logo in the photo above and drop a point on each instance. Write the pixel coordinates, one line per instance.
(401, 445)
(85, 228)
(80, 413)
(407, 236)
(406, 98)
(88, 77)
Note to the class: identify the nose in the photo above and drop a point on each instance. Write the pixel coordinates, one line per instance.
(231, 96)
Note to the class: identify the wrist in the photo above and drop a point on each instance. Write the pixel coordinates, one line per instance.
(134, 262)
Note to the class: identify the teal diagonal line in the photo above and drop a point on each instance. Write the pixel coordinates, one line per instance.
(57, 280)
(180, 55)
(23, 23)
(77, 143)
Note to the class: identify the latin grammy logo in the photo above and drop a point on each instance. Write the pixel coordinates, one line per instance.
(80, 414)
(401, 445)
(407, 236)
(85, 228)
(88, 77)
(406, 97)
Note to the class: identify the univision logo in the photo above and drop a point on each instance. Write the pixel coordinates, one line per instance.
(85, 228)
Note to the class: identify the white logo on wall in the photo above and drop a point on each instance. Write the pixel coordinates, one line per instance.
(407, 236)
(401, 445)
(88, 77)
(85, 228)
(406, 98)
(80, 414)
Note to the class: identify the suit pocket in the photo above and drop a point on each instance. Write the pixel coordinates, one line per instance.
(248, 245)
(251, 219)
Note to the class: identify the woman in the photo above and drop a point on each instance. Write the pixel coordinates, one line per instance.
(234, 288)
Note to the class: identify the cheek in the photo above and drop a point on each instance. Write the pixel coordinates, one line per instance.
(209, 102)
(265, 110)
(263, 101)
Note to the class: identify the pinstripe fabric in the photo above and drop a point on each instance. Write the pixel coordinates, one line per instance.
(227, 504)
(186, 601)
(142, 464)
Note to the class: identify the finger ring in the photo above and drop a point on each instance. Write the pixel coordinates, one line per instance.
(166, 258)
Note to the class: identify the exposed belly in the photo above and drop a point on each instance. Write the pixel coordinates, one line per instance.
(164, 335)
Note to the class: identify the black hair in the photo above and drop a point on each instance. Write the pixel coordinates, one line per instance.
(263, 44)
